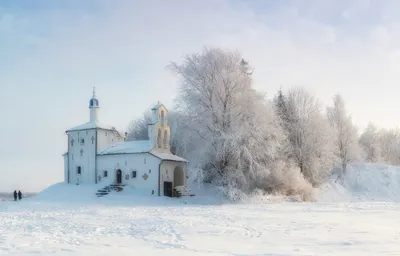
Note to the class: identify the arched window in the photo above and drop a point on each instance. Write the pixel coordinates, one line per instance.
(162, 117)
(165, 141)
(159, 138)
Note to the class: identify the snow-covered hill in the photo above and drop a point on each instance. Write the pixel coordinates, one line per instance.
(364, 182)
(69, 193)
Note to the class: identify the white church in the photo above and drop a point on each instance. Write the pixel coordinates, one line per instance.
(99, 153)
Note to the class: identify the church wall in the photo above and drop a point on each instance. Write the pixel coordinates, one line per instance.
(83, 155)
(66, 168)
(145, 165)
(167, 173)
(105, 138)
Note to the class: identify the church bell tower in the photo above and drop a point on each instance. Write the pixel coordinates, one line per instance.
(159, 130)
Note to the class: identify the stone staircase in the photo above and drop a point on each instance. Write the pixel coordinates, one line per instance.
(108, 189)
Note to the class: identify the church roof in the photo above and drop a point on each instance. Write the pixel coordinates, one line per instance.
(135, 147)
(166, 156)
(127, 147)
(158, 105)
(90, 125)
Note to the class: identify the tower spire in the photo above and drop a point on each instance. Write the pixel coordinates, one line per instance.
(94, 92)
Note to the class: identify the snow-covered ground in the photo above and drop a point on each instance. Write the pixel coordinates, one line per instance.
(343, 222)
(365, 182)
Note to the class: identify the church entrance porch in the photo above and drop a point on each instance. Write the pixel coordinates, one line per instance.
(179, 177)
(173, 176)
(179, 182)
(119, 176)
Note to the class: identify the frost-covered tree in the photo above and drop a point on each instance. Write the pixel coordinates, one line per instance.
(346, 137)
(137, 129)
(282, 108)
(389, 145)
(312, 146)
(369, 142)
(231, 132)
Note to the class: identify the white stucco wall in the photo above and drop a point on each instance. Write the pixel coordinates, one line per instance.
(128, 163)
(86, 160)
(66, 168)
(105, 138)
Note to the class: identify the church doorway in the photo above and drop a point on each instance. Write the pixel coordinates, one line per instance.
(119, 176)
(179, 177)
(168, 188)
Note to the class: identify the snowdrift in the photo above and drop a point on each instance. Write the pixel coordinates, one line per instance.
(83, 194)
(364, 182)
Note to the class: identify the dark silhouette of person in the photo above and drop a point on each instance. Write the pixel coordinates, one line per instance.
(19, 195)
(15, 195)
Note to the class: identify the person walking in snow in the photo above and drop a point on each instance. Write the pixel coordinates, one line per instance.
(15, 195)
(19, 195)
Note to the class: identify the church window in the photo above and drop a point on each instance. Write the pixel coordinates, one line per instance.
(133, 174)
(81, 152)
(105, 174)
(82, 141)
(92, 139)
(72, 142)
(152, 192)
(78, 170)
(149, 170)
(165, 141)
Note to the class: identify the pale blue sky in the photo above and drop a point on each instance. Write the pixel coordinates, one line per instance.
(52, 53)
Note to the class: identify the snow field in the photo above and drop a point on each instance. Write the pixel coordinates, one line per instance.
(360, 217)
(271, 229)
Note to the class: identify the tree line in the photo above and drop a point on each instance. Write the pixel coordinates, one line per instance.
(237, 139)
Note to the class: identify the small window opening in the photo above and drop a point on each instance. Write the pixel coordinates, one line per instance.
(78, 170)
(105, 174)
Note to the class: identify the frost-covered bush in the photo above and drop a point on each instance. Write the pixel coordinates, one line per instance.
(286, 179)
